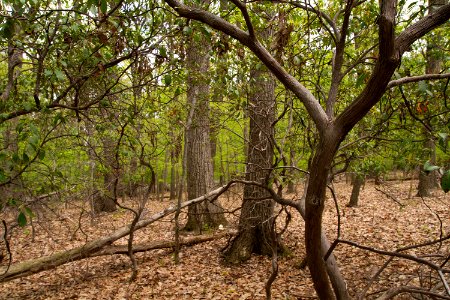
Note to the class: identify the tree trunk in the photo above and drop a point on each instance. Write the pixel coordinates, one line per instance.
(256, 221)
(314, 206)
(291, 183)
(105, 200)
(358, 182)
(197, 139)
(175, 150)
(173, 187)
(428, 182)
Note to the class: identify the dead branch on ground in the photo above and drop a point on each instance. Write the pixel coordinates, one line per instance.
(37, 265)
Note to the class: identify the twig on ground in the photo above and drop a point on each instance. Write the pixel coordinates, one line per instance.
(390, 196)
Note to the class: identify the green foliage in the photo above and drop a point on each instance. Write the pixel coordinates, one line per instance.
(428, 167)
(445, 181)
(22, 219)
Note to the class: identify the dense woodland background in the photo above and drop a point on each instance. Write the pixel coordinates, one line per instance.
(294, 130)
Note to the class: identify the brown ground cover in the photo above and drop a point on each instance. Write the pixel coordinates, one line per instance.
(379, 222)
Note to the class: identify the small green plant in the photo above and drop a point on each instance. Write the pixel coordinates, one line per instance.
(443, 172)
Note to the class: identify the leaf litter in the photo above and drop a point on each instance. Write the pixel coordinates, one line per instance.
(377, 222)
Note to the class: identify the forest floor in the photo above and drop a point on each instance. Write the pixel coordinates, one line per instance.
(379, 221)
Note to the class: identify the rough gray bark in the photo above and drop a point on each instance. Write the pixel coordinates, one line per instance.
(199, 170)
(256, 220)
(358, 182)
(105, 199)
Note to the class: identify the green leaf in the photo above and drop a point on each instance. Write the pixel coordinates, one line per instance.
(361, 79)
(25, 158)
(22, 219)
(104, 6)
(59, 75)
(443, 140)
(16, 158)
(187, 30)
(445, 181)
(162, 51)
(28, 106)
(28, 211)
(41, 154)
(33, 140)
(104, 103)
(423, 86)
(428, 167)
(8, 29)
(167, 79)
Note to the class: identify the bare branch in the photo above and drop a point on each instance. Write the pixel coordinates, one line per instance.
(395, 254)
(334, 32)
(243, 8)
(422, 27)
(411, 79)
(389, 294)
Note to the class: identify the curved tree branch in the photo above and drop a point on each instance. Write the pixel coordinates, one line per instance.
(313, 107)
(411, 79)
(243, 8)
(390, 51)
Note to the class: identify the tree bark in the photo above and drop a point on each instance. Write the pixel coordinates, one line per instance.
(199, 171)
(314, 206)
(256, 221)
(358, 182)
(337, 280)
(429, 182)
(104, 200)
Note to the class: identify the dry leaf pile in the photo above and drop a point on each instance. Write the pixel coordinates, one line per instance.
(379, 222)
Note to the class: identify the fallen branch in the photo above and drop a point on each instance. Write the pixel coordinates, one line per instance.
(186, 241)
(390, 197)
(391, 293)
(37, 265)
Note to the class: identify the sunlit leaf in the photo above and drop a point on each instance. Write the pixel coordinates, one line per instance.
(428, 167)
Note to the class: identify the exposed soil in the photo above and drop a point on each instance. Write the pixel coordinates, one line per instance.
(379, 221)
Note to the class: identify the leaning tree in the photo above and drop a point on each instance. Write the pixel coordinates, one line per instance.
(333, 118)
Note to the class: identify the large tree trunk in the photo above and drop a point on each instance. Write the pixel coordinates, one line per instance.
(197, 139)
(256, 220)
